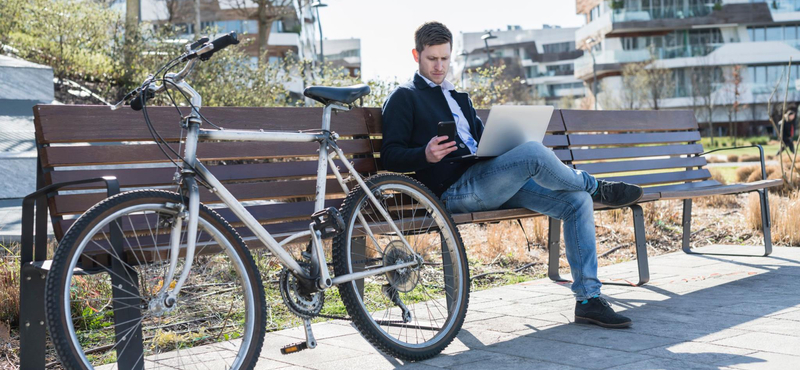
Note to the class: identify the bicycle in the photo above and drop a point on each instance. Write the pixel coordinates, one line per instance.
(158, 262)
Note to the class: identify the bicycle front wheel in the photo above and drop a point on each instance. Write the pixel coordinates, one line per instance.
(106, 288)
(411, 313)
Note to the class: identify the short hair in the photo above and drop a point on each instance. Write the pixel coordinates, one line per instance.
(432, 33)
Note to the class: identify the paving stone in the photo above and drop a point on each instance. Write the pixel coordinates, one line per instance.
(508, 324)
(372, 362)
(512, 362)
(463, 357)
(663, 363)
(767, 342)
(565, 353)
(706, 353)
(590, 335)
(767, 361)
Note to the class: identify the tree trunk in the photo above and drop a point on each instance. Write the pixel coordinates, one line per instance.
(711, 124)
(264, 29)
(197, 19)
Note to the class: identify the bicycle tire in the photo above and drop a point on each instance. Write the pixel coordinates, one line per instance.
(162, 329)
(409, 283)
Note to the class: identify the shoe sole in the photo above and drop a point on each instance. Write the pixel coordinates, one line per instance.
(585, 320)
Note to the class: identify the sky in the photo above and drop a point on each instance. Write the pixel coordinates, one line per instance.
(386, 27)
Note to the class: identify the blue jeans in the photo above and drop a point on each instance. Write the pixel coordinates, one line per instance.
(531, 176)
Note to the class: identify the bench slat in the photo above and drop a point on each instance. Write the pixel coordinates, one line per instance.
(635, 152)
(265, 213)
(96, 123)
(78, 203)
(662, 178)
(622, 121)
(143, 177)
(122, 154)
(631, 139)
(719, 190)
(641, 165)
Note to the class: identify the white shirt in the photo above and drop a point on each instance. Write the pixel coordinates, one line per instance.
(462, 124)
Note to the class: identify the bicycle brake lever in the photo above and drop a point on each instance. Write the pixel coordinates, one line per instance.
(127, 97)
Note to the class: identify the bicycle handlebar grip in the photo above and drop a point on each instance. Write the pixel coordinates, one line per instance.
(138, 102)
(221, 43)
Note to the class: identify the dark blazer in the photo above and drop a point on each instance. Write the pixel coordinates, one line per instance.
(410, 120)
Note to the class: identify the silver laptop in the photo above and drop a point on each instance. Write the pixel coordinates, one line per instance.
(511, 125)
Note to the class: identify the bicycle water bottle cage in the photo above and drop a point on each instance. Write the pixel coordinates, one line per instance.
(328, 219)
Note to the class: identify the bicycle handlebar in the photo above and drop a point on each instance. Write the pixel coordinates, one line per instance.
(201, 49)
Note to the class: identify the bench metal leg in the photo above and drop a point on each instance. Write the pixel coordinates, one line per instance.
(32, 328)
(127, 310)
(553, 241)
(766, 221)
(766, 224)
(687, 225)
(447, 266)
(641, 244)
(358, 247)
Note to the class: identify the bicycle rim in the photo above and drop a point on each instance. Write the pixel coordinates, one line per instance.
(210, 326)
(434, 293)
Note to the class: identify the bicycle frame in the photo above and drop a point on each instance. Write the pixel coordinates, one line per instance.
(327, 141)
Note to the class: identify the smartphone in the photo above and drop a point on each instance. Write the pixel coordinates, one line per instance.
(447, 128)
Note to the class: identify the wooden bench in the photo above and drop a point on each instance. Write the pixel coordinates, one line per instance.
(80, 144)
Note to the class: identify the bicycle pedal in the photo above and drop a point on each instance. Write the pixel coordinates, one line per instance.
(326, 219)
(294, 348)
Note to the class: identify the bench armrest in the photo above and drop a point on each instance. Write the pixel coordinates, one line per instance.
(760, 151)
(26, 244)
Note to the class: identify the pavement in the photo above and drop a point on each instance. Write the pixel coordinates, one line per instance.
(697, 312)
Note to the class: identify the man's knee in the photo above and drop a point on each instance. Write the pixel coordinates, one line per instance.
(533, 147)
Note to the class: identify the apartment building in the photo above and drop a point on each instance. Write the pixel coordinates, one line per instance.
(344, 53)
(686, 36)
(542, 58)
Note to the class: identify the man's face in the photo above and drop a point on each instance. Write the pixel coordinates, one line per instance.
(791, 116)
(434, 62)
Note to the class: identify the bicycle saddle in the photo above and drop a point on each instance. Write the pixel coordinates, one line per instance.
(327, 95)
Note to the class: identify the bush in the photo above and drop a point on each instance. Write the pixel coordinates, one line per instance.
(743, 173)
(758, 140)
(733, 158)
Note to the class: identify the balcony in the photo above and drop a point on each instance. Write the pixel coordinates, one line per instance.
(643, 20)
(781, 6)
(608, 60)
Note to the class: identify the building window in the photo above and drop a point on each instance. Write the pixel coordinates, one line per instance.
(788, 32)
(560, 47)
(677, 44)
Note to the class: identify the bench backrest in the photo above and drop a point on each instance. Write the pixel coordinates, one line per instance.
(78, 142)
(620, 145)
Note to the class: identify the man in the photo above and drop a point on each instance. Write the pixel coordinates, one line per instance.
(789, 123)
(528, 176)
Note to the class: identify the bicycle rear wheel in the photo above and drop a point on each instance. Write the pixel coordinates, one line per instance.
(105, 291)
(411, 313)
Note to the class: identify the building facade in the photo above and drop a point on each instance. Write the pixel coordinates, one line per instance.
(542, 58)
(723, 58)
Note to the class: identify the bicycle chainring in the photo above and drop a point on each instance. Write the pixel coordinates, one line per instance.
(302, 304)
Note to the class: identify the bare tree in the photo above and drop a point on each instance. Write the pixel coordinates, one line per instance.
(733, 92)
(266, 12)
(705, 79)
(634, 92)
(658, 83)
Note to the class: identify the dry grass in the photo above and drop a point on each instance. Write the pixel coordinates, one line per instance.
(733, 158)
(750, 158)
(782, 210)
(715, 159)
(718, 201)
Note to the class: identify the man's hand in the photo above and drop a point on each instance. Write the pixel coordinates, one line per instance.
(435, 150)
